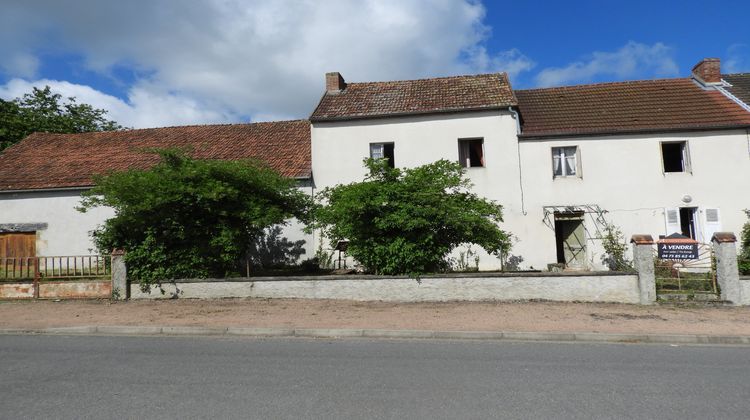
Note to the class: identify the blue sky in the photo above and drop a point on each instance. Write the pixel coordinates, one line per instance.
(170, 62)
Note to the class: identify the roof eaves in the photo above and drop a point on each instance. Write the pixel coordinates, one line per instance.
(46, 189)
(609, 132)
(409, 113)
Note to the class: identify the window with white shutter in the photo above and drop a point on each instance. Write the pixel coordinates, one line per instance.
(672, 221)
(712, 223)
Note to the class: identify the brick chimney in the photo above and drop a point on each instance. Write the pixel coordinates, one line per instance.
(335, 82)
(708, 71)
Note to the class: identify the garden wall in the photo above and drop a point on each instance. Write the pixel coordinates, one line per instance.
(745, 290)
(63, 289)
(585, 287)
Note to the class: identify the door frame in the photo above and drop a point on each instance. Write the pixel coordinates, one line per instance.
(561, 218)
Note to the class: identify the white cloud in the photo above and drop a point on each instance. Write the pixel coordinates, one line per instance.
(634, 60)
(258, 58)
(20, 64)
(511, 61)
(738, 59)
(142, 109)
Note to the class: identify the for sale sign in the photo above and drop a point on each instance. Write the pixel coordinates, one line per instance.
(677, 247)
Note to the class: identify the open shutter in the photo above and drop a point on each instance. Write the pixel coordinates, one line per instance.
(712, 223)
(672, 221)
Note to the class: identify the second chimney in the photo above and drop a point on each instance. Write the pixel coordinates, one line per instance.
(708, 71)
(335, 82)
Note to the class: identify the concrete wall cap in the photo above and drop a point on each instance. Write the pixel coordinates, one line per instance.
(722, 237)
(642, 240)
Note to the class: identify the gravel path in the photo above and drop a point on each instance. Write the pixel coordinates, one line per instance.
(452, 316)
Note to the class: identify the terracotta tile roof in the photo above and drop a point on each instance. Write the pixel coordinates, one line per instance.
(45, 160)
(626, 107)
(740, 85)
(425, 96)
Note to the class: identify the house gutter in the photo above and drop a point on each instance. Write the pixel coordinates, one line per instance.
(515, 116)
(31, 190)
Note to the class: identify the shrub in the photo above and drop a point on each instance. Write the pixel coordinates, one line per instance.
(615, 249)
(408, 220)
(188, 218)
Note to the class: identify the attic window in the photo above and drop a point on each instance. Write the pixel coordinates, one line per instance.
(674, 156)
(471, 153)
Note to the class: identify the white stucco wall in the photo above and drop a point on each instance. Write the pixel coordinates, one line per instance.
(68, 230)
(623, 175)
(338, 149)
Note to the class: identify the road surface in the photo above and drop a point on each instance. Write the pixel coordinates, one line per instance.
(189, 377)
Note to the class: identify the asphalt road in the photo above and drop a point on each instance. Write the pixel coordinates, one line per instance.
(171, 377)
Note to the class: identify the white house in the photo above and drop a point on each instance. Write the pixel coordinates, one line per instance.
(42, 177)
(654, 156)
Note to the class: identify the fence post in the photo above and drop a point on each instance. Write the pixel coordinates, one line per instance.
(727, 271)
(120, 287)
(37, 275)
(643, 260)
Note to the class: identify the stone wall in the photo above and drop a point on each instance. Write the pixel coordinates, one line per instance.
(62, 289)
(745, 290)
(585, 287)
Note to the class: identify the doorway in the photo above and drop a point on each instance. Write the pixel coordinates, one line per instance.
(18, 245)
(687, 222)
(570, 238)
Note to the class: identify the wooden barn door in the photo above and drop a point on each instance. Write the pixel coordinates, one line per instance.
(17, 245)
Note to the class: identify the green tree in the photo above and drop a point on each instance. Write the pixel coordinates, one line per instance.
(408, 221)
(744, 257)
(44, 111)
(187, 218)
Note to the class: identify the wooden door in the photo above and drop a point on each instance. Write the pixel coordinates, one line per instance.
(574, 244)
(570, 236)
(17, 245)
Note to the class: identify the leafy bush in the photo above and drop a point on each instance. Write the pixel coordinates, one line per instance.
(615, 248)
(188, 218)
(408, 220)
(744, 257)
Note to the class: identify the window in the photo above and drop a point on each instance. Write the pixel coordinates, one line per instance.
(565, 161)
(382, 151)
(674, 156)
(471, 153)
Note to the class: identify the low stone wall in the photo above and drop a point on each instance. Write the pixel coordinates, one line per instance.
(63, 289)
(745, 290)
(585, 287)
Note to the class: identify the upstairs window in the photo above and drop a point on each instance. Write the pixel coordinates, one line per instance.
(382, 151)
(674, 156)
(471, 153)
(565, 161)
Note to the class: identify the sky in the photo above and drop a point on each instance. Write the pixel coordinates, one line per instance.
(155, 63)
